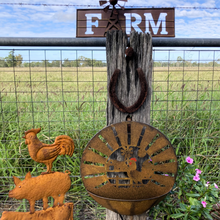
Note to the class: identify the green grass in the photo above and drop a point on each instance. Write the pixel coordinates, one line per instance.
(73, 102)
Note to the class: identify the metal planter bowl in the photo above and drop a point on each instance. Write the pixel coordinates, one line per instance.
(129, 167)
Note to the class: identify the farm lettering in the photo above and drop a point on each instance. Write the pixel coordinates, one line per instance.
(148, 20)
(160, 22)
(89, 22)
(92, 21)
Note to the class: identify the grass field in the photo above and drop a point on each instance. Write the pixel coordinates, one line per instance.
(185, 107)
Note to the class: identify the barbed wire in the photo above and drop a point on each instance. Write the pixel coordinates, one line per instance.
(128, 6)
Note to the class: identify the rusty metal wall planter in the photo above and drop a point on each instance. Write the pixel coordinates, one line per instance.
(129, 167)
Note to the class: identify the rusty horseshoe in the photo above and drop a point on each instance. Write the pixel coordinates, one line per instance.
(114, 98)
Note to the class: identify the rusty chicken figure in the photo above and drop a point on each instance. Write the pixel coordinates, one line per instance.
(47, 153)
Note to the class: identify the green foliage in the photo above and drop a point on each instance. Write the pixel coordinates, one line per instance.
(18, 59)
(186, 199)
(180, 62)
(2, 62)
(11, 60)
(83, 62)
(80, 62)
(55, 105)
(68, 63)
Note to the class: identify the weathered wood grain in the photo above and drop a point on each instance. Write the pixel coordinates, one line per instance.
(110, 215)
(128, 87)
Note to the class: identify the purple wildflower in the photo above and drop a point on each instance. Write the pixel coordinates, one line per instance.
(189, 160)
(204, 204)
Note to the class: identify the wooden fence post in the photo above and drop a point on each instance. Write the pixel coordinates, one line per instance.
(128, 85)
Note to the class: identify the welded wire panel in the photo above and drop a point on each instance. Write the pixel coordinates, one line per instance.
(185, 103)
(64, 91)
(61, 91)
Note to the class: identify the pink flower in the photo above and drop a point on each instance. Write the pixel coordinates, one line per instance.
(198, 171)
(215, 185)
(189, 160)
(196, 178)
(207, 184)
(204, 204)
(150, 160)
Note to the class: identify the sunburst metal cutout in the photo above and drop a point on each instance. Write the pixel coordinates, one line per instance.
(128, 161)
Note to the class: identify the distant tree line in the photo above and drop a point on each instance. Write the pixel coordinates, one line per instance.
(17, 61)
(11, 60)
(80, 62)
(186, 63)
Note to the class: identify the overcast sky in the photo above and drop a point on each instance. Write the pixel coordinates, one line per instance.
(51, 21)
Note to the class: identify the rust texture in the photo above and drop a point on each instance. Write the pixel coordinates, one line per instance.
(64, 212)
(129, 52)
(114, 99)
(113, 3)
(47, 153)
(41, 187)
(129, 167)
(113, 21)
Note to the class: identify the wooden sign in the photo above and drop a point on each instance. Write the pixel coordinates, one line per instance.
(160, 22)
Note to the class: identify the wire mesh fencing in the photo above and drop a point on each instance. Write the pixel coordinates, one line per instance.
(64, 91)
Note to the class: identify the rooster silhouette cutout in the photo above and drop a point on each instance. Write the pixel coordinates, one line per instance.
(47, 153)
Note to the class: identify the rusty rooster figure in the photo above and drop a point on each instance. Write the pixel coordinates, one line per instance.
(47, 153)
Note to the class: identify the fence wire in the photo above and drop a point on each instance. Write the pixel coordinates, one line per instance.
(64, 91)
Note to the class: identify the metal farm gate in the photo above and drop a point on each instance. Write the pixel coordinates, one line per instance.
(63, 90)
